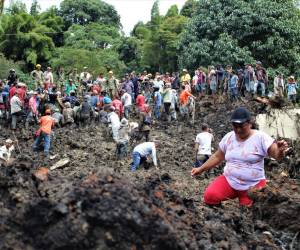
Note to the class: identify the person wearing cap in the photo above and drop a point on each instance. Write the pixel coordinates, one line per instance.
(16, 109)
(123, 139)
(244, 150)
(203, 145)
(44, 132)
(37, 76)
(142, 151)
(292, 89)
(111, 85)
(114, 123)
(261, 78)
(12, 77)
(6, 150)
(185, 76)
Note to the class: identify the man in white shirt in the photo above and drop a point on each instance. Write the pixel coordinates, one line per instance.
(126, 100)
(158, 83)
(6, 150)
(203, 145)
(48, 76)
(141, 151)
(114, 121)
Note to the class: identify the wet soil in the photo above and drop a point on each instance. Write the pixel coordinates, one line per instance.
(95, 202)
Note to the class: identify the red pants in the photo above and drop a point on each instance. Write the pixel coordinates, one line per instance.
(220, 190)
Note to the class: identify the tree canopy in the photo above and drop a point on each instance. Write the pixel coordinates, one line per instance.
(83, 12)
(238, 31)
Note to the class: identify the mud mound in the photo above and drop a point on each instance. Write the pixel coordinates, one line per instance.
(104, 211)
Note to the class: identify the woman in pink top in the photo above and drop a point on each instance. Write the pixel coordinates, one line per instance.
(244, 150)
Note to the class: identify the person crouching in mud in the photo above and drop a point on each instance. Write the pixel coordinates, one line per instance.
(244, 150)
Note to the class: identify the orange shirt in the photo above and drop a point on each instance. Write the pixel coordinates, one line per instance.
(46, 124)
(184, 97)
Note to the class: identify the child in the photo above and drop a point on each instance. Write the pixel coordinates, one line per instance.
(292, 89)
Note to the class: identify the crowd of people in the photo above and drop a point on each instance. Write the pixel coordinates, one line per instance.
(128, 107)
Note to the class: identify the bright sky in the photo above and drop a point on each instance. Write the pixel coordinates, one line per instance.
(131, 11)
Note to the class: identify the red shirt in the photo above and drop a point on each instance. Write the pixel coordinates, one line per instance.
(140, 101)
(118, 105)
(47, 122)
(12, 92)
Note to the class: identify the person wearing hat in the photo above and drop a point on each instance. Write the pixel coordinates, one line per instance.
(111, 84)
(185, 76)
(16, 109)
(292, 89)
(114, 123)
(6, 150)
(44, 132)
(123, 139)
(261, 78)
(142, 151)
(48, 76)
(145, 122)
(244, 150)
(37, 76)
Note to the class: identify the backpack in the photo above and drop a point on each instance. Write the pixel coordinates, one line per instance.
(147, 120)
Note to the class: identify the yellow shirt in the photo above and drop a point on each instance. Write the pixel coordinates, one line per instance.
(186, 78)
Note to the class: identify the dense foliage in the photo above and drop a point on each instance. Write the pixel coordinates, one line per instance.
(89, 33)
(239, 31)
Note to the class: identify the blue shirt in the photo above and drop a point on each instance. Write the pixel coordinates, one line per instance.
(292, 88)
(158, 98)
(233, 83)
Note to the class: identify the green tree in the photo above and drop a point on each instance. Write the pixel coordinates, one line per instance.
(188, 9)
(35, 8)
(155, 15)
(24, 38)
(230, 30)
(172, 11)
(98, 61)
(85, 11)
(91, 36)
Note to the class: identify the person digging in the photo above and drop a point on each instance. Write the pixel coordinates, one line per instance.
(142, 151)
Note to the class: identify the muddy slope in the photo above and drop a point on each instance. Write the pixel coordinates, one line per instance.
(95, 202)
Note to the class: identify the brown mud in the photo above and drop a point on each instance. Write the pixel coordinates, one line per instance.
(95, 202)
